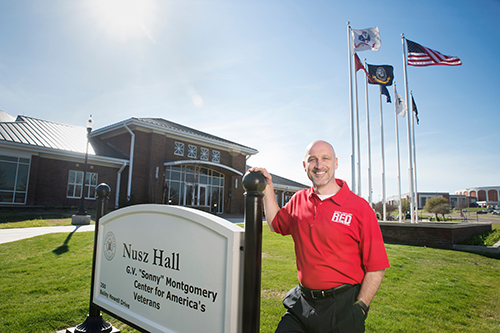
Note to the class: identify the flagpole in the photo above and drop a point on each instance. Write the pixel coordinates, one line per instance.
(353, 164)
(410, 163)
(414, 157)
(358, 143)
(383, 158)
(370, 190)
(397, 149)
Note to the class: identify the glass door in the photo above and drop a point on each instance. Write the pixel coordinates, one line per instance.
(202, 195)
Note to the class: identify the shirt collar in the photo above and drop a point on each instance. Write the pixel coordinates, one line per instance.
(339, 198)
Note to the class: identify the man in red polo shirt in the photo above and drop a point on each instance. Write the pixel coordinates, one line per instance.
(340, 253)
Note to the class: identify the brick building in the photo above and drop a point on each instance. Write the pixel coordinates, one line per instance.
(177, 165)
(143, 160)
(422, 198)
(482, 195)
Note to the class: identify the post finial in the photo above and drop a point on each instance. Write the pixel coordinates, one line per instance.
(103, 190)
(254, 182)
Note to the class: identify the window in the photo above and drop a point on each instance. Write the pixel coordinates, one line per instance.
(215, 156)
(75, 185)
(14, 172)
(179, 149)
(192, 151)
(194, 186)
(204, 154)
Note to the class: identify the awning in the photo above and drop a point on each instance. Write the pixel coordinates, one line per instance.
(207, 163)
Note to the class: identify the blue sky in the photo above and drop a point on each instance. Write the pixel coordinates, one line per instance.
(272, 75)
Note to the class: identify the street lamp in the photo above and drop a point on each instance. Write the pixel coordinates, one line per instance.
(81, 209)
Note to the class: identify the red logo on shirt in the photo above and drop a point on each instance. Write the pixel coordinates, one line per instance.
(342, 217)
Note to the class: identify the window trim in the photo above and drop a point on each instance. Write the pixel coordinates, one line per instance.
(16, 180)
(192, 151)
(178, 148)
(215, 156)
(204, 154)
(86, 188)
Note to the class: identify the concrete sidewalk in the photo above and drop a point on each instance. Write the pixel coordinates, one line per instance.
(11, 235)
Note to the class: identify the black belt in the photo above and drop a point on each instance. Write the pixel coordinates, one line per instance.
(315, 294)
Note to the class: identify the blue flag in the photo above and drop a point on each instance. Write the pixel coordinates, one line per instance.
(384, 91)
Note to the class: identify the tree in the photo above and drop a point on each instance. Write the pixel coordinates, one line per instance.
(462, 203)
(405, 206)
(437, 205)
(379, 208)
(442, 209)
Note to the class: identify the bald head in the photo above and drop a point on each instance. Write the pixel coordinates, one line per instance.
(320, 164)
(317, 144)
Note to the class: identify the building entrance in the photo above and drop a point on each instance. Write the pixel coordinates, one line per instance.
(198, 186)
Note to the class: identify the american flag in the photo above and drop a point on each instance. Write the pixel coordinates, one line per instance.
(419, 55)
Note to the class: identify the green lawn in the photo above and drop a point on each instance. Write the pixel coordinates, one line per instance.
(45, 284)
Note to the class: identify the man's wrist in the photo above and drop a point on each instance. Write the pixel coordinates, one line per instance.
(362, 305)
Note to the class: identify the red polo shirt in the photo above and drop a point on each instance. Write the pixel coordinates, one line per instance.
(336, 240)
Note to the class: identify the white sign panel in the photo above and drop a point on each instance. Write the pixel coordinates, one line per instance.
(170, 269)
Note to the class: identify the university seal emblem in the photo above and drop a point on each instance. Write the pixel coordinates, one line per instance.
(109, 246)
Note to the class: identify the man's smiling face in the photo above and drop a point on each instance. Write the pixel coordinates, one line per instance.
(320, 163)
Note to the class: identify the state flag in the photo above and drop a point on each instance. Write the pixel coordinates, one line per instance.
(400, 104)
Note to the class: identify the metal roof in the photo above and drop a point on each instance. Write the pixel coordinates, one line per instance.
(4, 117)
(48, 134)
(177, 129)
(287, 182)
(282, 183)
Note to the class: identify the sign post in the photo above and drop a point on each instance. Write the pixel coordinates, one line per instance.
(254, 183)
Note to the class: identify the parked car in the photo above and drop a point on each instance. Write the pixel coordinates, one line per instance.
(484, 211)
(496, 212)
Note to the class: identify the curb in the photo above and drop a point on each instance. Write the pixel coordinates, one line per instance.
(488, 250)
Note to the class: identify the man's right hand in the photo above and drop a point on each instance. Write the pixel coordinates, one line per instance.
(270, 205)
(265, 173)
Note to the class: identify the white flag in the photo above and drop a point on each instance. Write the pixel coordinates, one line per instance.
(400, 104)
(366, 39)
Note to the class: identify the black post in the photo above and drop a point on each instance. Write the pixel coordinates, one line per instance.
(94, 322)
(254, 183)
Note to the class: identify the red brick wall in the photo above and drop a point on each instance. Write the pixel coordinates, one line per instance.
(431, 235)
(50, 181)
(152, 150)
(481, 195)
(33, 177)
(492, 195)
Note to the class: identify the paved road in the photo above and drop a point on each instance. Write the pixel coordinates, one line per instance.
(473, 217)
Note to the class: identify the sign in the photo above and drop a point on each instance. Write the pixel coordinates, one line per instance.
(170, 269)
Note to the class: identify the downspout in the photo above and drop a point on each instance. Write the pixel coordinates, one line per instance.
(131, 165)
(283, 196)
(118, 181)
